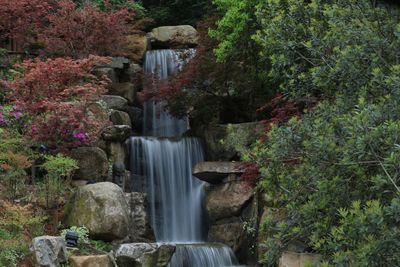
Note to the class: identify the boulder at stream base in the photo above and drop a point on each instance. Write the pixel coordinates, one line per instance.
(214, 172)
(144, 255)
(102, 208)
(92, 162)
(230, 233)
(49, 251)
(292, 259)
(91, 261)
(182, 36)
(227, 200)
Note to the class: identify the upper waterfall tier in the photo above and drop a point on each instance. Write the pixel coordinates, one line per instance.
(162, 64)
(166, 62)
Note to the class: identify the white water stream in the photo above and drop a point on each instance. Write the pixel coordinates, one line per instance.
(161, 165)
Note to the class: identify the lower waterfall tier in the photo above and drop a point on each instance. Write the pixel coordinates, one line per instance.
(203, 255)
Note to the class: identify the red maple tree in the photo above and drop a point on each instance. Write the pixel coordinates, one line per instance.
(55, 93)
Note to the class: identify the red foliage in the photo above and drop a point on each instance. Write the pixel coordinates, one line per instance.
(279, 111)
(81, 32)
(55, 93)
(19, 19)
(249, 171)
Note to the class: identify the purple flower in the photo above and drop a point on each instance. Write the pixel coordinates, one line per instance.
(82, 137)
(16, 114)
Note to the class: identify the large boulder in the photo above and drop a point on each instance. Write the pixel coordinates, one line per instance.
(292, 259)
(91, 261)
(214, 172)
(116, 133)
(120, 118)
(144, 255)
(103, 209)
(115, 102)
(182, 36)
(227, 200)
(136, 47)
(125, 90)
(49, 251)
(230, 232)
(92, 162)
(140, 230)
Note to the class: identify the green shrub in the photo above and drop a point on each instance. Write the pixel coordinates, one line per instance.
(335, 173)
(59, 169)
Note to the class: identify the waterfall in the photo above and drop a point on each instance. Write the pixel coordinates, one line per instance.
(162, 64)
(203, 255)
(175, 195)
(161, 164)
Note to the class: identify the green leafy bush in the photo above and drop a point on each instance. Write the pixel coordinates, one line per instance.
(335, 171)
(59, 169)
(335, 174)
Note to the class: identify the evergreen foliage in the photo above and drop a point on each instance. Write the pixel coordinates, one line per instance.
(334, 172)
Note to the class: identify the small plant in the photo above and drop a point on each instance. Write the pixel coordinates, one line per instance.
(59, 168)
(101, 245)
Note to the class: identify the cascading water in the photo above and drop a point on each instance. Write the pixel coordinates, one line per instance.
(161, 165)
(175, 196)
(162, 64)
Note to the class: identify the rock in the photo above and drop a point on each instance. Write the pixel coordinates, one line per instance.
(230, 233)
(115, 102)
(78, 183)
(182, 36)
(116, 133)
(214, 148)
(125, 90)
(116, 152)
(91, 261)
(120, 118)
(144, 255)
(120, 175)
(292, 259)
(103, 209)
(98, 111)
(136, 115)
(214, 172)
(227, 200)
(92, 162)
(140, 230)
(119, 63)
(49, 251)
(137, 45)
(107, 72)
